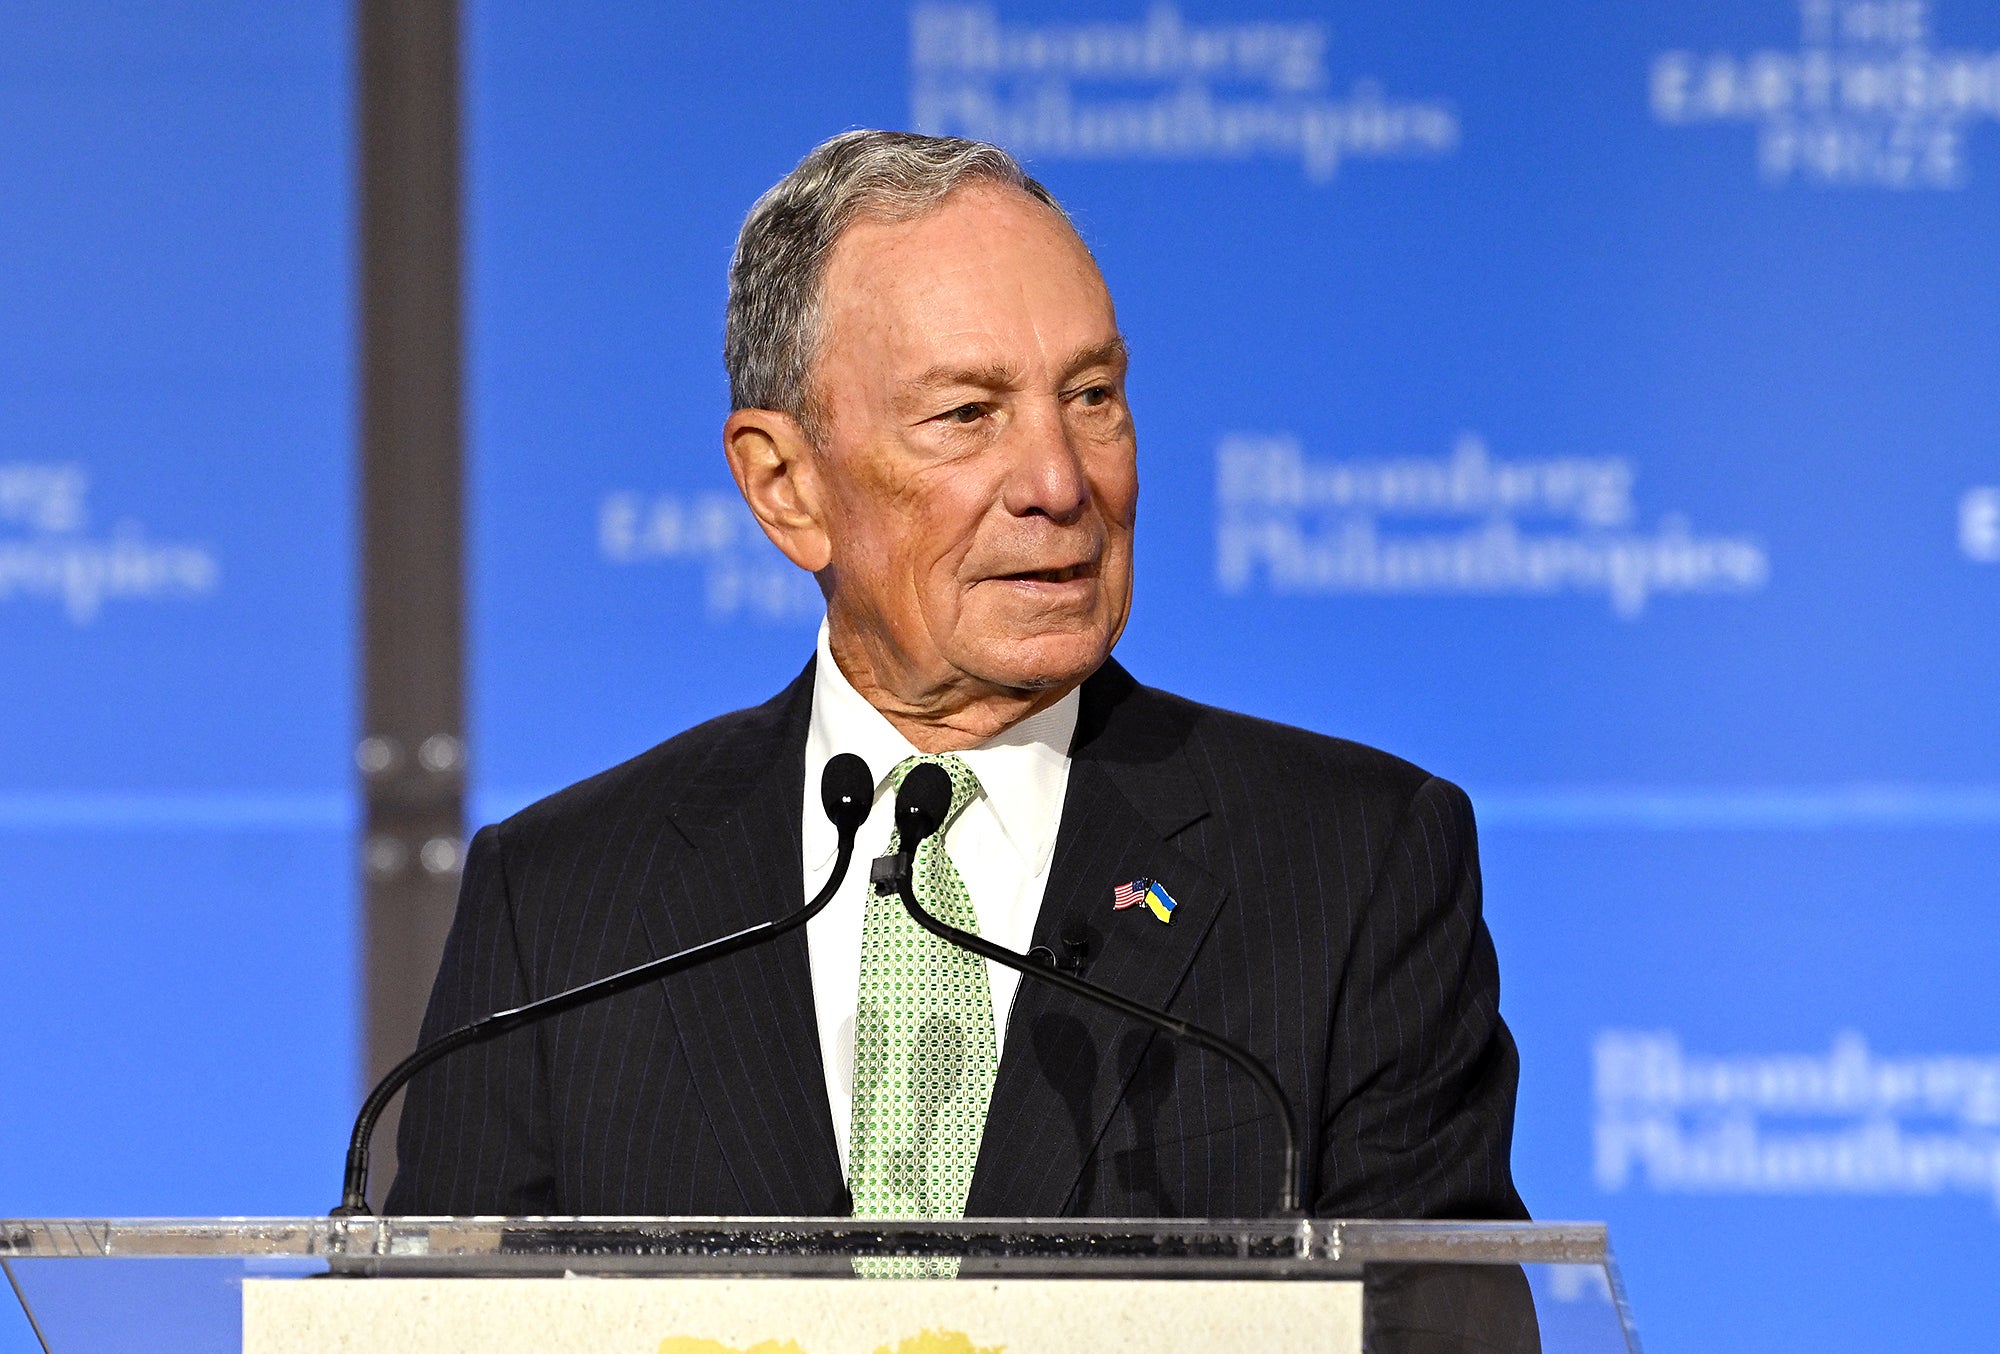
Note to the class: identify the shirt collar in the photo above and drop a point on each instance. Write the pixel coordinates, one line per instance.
(1024, 774)
(1023, 771)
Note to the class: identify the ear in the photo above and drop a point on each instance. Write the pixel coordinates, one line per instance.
(777, 472)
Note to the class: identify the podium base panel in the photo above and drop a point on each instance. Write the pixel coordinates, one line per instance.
(800, 1316)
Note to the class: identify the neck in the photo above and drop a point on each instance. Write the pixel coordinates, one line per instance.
(951, 715)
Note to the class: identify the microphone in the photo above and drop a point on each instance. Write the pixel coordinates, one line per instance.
(921, 806)
(1075, 940)
(846, 791)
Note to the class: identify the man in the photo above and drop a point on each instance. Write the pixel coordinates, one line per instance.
(930, 416)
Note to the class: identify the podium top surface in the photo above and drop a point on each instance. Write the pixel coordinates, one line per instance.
(1309, 1243)
(105, 1283)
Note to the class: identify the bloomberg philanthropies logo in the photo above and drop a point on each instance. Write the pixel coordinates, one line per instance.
(48, 552)
(1467, 524)
(1159, 88)
(1849, 1121)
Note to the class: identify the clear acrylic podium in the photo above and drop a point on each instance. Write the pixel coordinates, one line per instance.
(183, 1285)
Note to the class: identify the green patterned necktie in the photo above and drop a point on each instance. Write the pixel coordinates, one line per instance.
(924, 1047)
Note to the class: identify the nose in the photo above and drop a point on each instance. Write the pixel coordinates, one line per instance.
(1045, 474)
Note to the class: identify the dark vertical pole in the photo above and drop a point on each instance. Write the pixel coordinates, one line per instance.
(412, 752)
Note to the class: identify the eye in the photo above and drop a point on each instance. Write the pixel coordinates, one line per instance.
(965, 413)
(1093, 396)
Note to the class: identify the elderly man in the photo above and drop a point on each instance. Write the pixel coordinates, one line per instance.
(930, 416)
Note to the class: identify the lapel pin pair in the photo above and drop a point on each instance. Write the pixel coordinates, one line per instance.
(1147, 891)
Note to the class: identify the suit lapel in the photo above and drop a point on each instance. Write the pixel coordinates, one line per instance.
(746, 1023)
(1067, 1063)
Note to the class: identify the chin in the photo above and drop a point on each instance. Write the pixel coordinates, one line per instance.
(1042, 661)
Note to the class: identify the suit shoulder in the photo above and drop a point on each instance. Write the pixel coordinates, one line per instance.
(699, 766)
(1285, 754)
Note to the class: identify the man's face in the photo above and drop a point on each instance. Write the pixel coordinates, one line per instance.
(977, 470)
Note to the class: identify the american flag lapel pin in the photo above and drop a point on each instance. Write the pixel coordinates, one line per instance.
(1148, 892)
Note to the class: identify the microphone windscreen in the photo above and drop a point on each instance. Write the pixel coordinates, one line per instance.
(922, 803)
(846, 791)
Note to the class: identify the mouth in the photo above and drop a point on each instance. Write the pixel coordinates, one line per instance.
(1069, 573)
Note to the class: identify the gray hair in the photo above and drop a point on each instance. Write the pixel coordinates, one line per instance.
(771, 332)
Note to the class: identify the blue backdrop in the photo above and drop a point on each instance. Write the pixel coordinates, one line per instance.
(176, 919)
(1593, 404)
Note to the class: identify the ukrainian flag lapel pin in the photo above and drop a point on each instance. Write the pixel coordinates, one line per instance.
(1150, 892)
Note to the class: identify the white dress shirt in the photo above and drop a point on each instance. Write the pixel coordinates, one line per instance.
(1002, 844)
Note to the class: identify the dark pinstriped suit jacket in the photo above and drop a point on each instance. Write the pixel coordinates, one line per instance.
(1329, 919)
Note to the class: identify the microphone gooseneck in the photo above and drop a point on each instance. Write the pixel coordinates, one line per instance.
(919, 812)
(847, 788)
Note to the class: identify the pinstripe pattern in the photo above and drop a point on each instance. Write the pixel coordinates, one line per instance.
(1329, 919)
